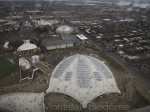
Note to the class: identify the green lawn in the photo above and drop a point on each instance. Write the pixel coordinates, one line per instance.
(6, 67)
(112, 62)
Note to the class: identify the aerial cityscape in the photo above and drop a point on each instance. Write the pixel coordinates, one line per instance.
(74, 55)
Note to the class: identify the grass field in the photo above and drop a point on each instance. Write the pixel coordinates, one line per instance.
(112, 62)
(6, 67)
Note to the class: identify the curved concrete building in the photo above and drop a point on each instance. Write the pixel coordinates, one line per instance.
(27, 48)
(83, 78)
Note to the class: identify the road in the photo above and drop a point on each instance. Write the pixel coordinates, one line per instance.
(133, 69)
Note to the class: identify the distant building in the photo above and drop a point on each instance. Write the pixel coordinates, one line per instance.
(28, 24)
(69, 43)
(62, 44)
(33, 11)
(82, 37)
(24, 63)
(6, 45)
(57, 44)
(123, 3)
(50, 45)
(27, 48)
(64, 29)
(70, 37)
(35, 59)
(127, 20)
(44, 23)
(8, 26)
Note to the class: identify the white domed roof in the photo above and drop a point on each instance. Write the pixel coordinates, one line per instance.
(27, 46)
(64, 29)
(83, 78)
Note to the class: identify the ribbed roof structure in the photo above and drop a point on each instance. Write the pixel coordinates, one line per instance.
(83, 78)
(27, 46)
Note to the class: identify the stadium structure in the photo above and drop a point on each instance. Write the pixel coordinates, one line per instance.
(83, 78)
